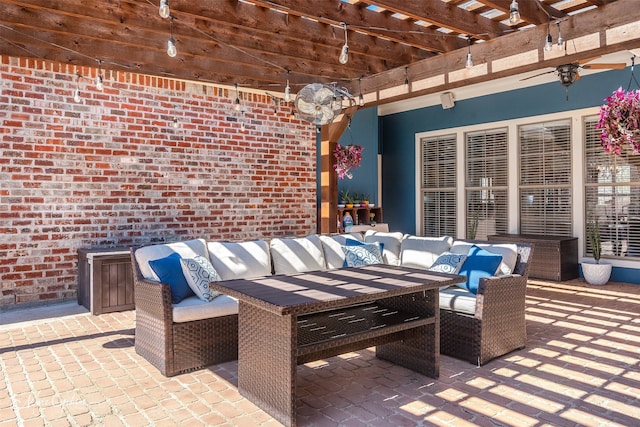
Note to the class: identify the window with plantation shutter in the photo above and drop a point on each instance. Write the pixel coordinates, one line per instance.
(545, 178)
(486, 155)
(612, 196)
(438, 185)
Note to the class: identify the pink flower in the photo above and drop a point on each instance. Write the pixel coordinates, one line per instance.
(347, 157)
(619, 120)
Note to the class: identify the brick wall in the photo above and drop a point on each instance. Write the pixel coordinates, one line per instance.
(112, 171)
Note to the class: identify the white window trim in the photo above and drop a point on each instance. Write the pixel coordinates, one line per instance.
(577, 174)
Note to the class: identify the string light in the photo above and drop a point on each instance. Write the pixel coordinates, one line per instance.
(76, 95)
(469, 63)
(172, 51)
(406, 76)
(514, 13)
(237, 101)
(560, 40)
(164, 9)
(174, 122)
(360, 97)
(99, 82)
(287, 91)
(548, 44)
(344, 53)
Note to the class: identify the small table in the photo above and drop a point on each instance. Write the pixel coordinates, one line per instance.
(289, 320)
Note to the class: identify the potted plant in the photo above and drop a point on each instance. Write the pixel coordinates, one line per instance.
(595, 273)
(619, 122)
(343, 198)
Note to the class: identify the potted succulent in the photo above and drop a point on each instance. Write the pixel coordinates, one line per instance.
(343, 198)
(595, 273)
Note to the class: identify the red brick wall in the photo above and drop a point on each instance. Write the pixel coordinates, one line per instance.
(111, 171)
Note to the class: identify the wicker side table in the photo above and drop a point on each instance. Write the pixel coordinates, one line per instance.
(554, 257)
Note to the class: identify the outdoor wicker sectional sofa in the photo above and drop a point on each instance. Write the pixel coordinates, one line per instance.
(191, 334)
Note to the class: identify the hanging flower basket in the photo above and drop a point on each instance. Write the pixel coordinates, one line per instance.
(619, 122)
(347, 157)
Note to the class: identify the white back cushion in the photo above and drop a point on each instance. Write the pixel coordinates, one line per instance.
(186, 249)
(509, 252)
(422, 252)
(332, 247)
(297, 255)
(241, 260)
(391, 242)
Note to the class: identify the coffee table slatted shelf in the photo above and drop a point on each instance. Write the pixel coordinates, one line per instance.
(368, 323)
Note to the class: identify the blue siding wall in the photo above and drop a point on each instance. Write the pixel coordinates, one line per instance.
(363, 131)
(398, 130)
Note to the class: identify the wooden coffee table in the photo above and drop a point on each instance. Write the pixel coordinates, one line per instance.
(288, 320)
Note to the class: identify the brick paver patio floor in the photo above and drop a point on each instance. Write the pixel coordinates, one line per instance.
(580, 368)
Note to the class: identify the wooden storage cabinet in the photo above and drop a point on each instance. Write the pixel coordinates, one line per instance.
(105, 280)
(360, 215)
(554, 257)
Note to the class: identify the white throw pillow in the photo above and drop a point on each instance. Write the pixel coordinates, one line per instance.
(186, 249)
(390, 244)
(242, 260)
(199, 272)
(422, 252)
(332, 248)
(297, 255)
(448, 263)
(509, 252)
(362, 254)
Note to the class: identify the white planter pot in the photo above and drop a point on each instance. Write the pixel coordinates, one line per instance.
(596, 274)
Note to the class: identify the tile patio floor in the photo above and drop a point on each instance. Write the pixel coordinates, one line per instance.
(581, 367)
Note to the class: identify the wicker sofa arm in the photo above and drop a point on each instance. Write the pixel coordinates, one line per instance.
(501, 295)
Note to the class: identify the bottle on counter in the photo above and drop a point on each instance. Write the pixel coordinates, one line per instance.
(347, 222)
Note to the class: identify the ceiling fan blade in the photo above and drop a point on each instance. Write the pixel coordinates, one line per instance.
(584, 61)
(616, 66)
(537, 75)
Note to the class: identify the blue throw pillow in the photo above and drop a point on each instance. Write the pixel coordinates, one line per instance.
(169, 271)
(479, 263)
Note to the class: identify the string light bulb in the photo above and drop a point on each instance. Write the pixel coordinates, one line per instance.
(76, 94)
(176, 123)
(469, 62)
(237, 101)
(360, 97)
(172, 51)
(164, 9)
(406, 76)
(548, 44)
(560, 39)
(514, 13)
(344, 53)
(287, 92)
(99, 81)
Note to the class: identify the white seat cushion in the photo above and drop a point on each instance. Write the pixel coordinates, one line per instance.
(241, 260)
(193, 308)
(297, 255)
(509, 252)
(458, 300)
(391, 245)
(422, 252)
(186, 249)
(332, 248)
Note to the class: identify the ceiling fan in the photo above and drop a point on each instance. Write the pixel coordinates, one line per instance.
(568, 73)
